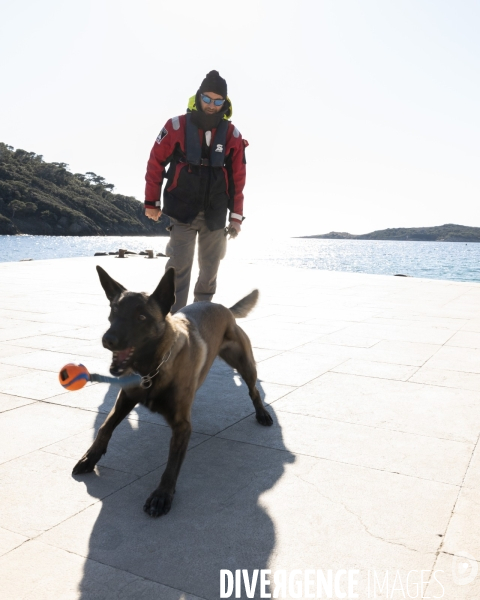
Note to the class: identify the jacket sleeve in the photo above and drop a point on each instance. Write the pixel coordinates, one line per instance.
(236, 169)
(160, 156)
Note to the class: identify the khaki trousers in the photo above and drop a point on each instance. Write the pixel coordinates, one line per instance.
(212, 246)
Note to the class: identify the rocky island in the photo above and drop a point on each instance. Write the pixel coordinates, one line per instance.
(440, 233)
(41, 198)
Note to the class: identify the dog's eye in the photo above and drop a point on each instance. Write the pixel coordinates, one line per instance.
(141, 317)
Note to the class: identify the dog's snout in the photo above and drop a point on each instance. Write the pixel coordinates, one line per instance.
(110, 340)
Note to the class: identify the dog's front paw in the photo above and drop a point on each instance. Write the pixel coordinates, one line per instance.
(158, 503)
(86, 464)
(264, 417)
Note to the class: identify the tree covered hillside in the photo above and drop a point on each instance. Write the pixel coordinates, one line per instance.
(42, 198)
(439, 233)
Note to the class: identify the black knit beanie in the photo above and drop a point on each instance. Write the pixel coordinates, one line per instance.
(214, 83)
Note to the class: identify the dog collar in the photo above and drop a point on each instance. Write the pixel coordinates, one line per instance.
(146, 381)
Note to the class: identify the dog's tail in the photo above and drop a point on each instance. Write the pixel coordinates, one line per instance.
(245, 305)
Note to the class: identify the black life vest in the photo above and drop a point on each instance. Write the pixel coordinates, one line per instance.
(195, 183)
(194, 148)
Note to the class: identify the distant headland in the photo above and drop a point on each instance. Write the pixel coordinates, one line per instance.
(41, 198)
(440, 233)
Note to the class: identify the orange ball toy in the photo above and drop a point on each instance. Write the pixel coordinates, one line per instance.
(73, 377)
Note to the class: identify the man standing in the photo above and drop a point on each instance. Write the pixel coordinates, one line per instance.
(205, 179)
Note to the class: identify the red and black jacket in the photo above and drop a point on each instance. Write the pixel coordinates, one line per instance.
(199, 177)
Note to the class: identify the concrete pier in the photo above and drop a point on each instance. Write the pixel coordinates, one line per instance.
(371, 469)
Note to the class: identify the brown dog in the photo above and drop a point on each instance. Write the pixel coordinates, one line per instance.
(173, 353)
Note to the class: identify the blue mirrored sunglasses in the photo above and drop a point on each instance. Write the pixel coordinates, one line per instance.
(207, 100)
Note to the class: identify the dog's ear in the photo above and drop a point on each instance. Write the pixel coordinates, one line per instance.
(112, 288)
(164, 295)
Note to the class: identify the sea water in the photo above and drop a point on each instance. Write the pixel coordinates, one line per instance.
(434, 260)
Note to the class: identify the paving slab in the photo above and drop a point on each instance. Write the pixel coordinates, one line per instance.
(455, 579)
(6, 323)
(447, 378)
(46, 360)
(402, 353)
(9, 402)
(465, 339)
(463, 535)
(373, 447)
(223, 399)
(39, 385)
(395, 405)
(9, 349)
(395, 331)
(456, 359)
(7, 371)
(76, 314)
(97, 397)
(38, 491)
(370, 368)
(349, 336)
(136, 447)
(274, 338)
(333, 351)
(295, 369)
(63, 344)
(32, 426)
(422, 321)
(37, 571)
(472, 477)
(84, 333)
(10, 540)
(471, 325)
(15, 333)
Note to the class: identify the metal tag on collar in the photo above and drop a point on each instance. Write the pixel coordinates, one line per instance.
(146, 382)
(147, 379)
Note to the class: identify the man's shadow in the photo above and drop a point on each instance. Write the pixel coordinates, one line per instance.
(216, 521)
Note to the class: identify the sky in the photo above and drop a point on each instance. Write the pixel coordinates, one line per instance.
(360, 114)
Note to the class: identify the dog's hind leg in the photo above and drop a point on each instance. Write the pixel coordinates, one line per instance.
(237, 353)
(123, 406)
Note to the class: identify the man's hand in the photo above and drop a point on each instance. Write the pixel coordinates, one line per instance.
(153, 213)
(234, 228)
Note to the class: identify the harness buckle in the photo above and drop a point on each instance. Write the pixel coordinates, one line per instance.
(204, 162)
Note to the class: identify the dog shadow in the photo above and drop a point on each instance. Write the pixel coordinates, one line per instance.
(217, 520)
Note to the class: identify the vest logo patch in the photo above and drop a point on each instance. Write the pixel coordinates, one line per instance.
(219, 148)
(161, 135)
